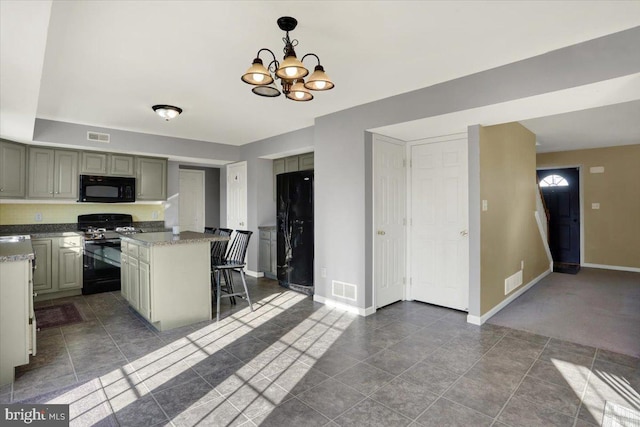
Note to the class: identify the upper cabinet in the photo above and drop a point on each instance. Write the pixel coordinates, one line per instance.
(305, 162)
(52, 174)
(291, 164)
(36, 172)
(94, 163)
(12, 170)
(151, 178)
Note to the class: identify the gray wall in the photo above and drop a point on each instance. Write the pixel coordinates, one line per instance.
(261, 206)
(343, 214)
(75, 136)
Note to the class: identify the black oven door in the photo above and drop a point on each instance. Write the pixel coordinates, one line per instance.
(101, 266)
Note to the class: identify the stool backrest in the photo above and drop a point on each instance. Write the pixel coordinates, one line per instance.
(238, 249)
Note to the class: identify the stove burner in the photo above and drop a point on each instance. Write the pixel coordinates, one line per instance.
(126, 230)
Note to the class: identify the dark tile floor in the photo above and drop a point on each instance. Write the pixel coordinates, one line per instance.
(296, 362)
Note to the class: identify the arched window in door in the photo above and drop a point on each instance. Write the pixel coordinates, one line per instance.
(553, 181)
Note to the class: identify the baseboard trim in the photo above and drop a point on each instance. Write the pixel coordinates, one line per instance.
(479, 320)
(611, 267)
(254, 273)
(342, 306)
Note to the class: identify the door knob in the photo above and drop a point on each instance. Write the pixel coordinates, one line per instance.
(381, 232)
(464, 233)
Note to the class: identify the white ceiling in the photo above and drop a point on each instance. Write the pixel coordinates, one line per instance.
(105, 63)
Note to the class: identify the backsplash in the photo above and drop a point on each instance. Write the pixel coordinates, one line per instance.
(49, 214)
(147, 226)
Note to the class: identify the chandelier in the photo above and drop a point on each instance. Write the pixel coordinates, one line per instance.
(290, 71)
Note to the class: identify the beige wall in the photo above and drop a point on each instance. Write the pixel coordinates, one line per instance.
(25, 213)
(508, 230)
(611, 233)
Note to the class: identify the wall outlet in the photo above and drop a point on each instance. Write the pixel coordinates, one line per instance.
(595, 205)
(522, 265)
(323, 272)
(485, 205)
(154, 215)
(38, 217)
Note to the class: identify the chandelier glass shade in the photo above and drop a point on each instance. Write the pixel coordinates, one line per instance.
(291, 71)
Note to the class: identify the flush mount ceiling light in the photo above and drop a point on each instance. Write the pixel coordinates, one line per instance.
(167, 112)
(290, 71)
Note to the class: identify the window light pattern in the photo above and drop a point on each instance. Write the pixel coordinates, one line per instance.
(554, 181)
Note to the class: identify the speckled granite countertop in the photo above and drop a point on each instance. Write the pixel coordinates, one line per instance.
(162, 239)
(16, 251)
(56, 234)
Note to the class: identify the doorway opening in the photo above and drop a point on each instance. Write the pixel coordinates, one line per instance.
(561, 192)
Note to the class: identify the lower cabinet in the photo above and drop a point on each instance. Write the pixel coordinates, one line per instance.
(58, 266)
(135, 280)
(17, 329)
(267, 251)
(169, 285)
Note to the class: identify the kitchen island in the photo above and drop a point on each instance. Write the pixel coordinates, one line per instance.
(166, 278)
(17, 320)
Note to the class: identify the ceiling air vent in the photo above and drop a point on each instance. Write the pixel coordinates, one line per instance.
(98, 137)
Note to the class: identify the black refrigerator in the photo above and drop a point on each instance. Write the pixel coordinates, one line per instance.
(295, 230)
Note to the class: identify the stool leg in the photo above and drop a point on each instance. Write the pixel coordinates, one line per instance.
(246, 291)
(218, 296)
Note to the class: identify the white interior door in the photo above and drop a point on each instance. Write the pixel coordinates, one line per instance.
(389, 218)
(191, 200)
(237, 196)
(439, 230)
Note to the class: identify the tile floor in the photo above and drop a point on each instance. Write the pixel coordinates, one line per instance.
(296, 362)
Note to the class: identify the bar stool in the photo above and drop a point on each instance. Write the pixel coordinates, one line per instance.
(233, 261)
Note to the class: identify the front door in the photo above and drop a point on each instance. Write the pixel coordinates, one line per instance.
(439, 217)
(389, 199)
(561, 192)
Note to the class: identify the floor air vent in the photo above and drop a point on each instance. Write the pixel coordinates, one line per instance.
(98, 137)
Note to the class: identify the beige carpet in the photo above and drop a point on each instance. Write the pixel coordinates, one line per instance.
(599, 308)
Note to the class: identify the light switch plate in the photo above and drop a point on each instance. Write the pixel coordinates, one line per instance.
(485, 205)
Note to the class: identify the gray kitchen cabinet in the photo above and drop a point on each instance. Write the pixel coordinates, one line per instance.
(151, 178)
(12, 170)
(291, 164)
(95, 163)
(267, 251)
(58, 266)
(136, 277)
(121, 165)
(52, 174)
(305, 161)
(42, 274)
(18, 326)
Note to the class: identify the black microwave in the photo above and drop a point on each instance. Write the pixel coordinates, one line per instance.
(107, 189)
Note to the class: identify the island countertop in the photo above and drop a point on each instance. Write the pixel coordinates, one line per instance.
(168, 238)
(16, 251)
